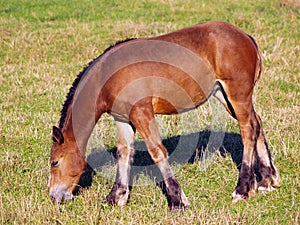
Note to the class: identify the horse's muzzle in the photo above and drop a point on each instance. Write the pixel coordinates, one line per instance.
(59, 193)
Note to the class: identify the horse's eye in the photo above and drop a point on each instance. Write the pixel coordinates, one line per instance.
(54, 163)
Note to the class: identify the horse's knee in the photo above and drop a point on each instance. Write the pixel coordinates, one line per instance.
(125, 153)
(158, 153)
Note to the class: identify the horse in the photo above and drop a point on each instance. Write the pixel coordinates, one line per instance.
(172, 73)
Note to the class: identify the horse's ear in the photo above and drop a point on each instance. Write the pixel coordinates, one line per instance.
(57, 135)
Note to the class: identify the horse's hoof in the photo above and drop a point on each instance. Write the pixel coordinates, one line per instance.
(184, 200)
(180, 206)
(264, 190)
(239, 197)
(275, 179)
(177, 208)
(110, 200)
(119, 197)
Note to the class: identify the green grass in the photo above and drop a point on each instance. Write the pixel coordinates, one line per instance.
(44, 44)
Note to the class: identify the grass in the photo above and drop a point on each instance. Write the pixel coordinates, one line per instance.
(44, 44)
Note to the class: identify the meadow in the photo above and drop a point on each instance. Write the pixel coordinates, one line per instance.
(45, 44)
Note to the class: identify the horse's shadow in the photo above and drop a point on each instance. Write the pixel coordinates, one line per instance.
(181, 149)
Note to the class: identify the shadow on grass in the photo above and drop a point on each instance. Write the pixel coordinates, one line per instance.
(182, 149)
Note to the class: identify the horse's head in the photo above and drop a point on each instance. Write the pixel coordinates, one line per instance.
(67, 165)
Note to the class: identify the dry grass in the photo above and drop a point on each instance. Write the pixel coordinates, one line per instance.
(45, 44)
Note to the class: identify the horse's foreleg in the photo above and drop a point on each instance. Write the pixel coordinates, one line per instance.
(268, 174)
(143, 120)
(120, 191)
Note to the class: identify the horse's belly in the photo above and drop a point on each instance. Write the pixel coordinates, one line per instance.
(180, 105)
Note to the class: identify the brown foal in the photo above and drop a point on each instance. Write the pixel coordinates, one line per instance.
(173, 73)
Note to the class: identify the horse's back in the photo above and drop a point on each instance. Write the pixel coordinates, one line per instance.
(177, 71)
(222, 45)
(231, 54)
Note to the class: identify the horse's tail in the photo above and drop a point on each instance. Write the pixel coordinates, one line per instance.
(259, 61)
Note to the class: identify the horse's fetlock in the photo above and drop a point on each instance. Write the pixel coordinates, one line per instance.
(118, 196)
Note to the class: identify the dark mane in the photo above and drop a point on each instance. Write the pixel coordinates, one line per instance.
(70, 95)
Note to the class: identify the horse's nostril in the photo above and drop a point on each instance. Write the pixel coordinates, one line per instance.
(52, 198)
(55, 198)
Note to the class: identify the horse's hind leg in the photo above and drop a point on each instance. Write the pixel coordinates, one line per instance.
(267, 172)
(144, 121)
(125, 150)
(249, 129)
(254, 143)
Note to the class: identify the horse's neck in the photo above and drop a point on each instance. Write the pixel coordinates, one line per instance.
(85, 109)
(78, 128)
